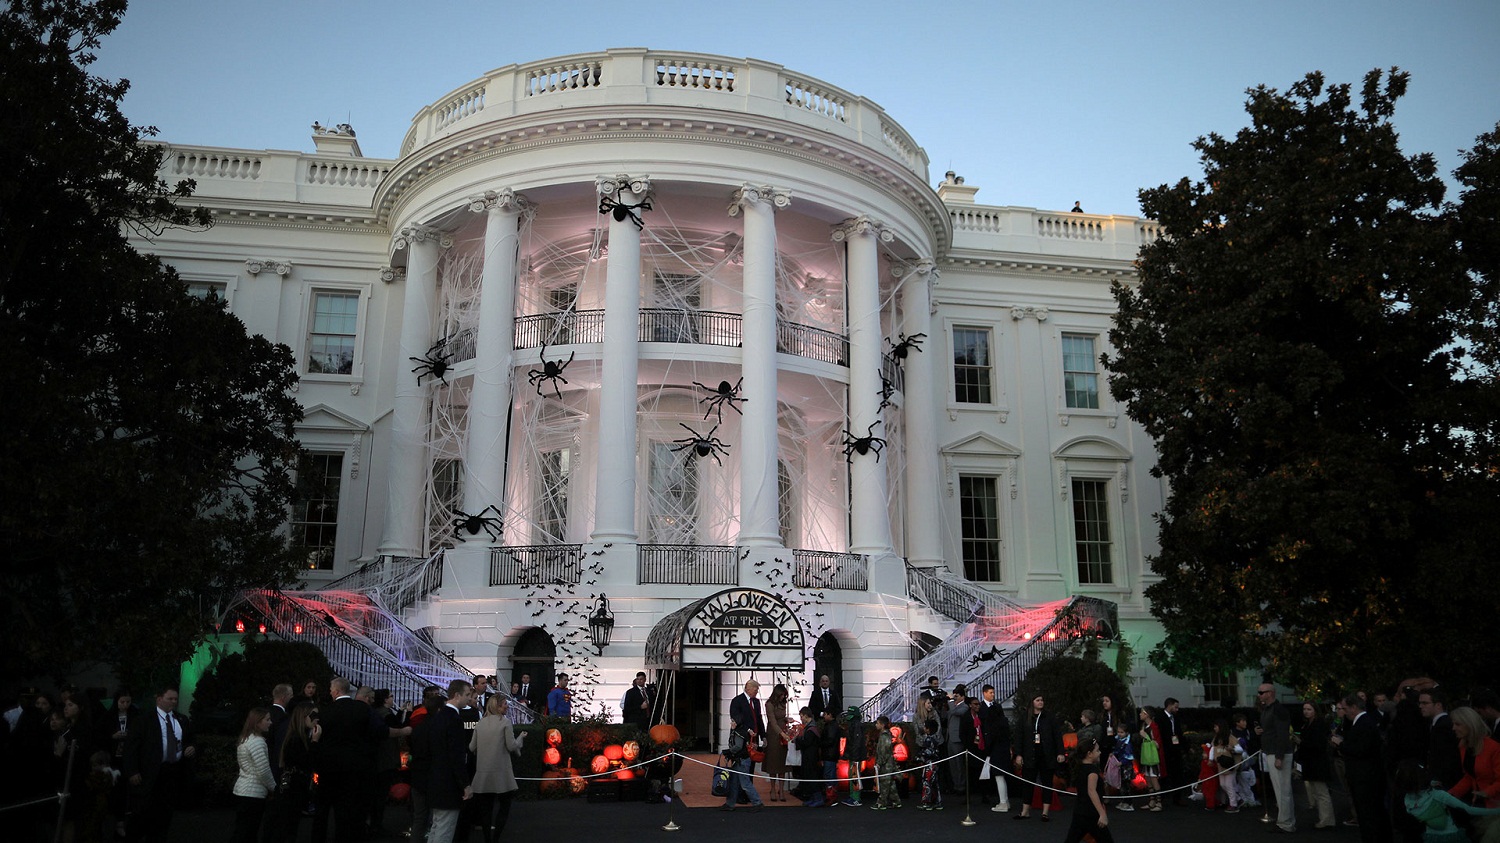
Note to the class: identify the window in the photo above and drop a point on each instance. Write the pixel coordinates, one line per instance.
(676, 292)
(971, 365)
(1080, 378)
(786, 506)
(673, 493)
(330, 343)
(979, 521)
(1221, 686)
(447, 496)
(553, 468)
(315, 510)
(1091, 530)
(208, 289)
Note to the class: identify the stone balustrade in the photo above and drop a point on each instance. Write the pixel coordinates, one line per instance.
(277, 175)
(983, 228)
(635, 76)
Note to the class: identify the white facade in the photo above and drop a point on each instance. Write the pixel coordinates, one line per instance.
(792, 239)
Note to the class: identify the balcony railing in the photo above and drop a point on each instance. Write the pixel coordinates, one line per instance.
(686, 564)
(696, 327)
(553, 564)
(824, 569)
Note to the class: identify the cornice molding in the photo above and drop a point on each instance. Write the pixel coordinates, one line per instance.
(755, 194)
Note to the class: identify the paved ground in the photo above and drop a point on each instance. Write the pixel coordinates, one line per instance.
(577, 821)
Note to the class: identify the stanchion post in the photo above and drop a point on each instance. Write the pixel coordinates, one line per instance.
(672, 795)
(968, 793)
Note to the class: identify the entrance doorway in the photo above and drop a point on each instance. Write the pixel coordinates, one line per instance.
(693, 707)
(535, 654)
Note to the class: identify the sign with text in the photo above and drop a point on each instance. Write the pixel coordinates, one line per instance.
(742, 628)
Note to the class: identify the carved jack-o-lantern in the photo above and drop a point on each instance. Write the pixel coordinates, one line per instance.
(600, 764)
(614, 752)
(901, 753)
(551, 757)
(554, 737)
(630, 750)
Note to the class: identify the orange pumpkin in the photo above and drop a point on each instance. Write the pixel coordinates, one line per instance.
(630, 750)
(625, 774)
(664, 733)
(614, 752)
(554, 737)
(599, 764)
(896, 734)
(901, 753)
(578, 785)
(551, 757)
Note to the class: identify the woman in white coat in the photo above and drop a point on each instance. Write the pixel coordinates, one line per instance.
(255, 783)
(494, 775)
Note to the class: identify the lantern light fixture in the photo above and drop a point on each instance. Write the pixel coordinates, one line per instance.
(601, 624)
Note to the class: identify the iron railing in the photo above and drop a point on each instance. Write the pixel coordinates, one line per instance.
(562, 327)
(552, 564)
(825, 569)
(696, 327)
(960, 600)
(812, 343)
(686, 564)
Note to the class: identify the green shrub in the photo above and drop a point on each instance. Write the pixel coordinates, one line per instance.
(1070, 684)
(241, 681)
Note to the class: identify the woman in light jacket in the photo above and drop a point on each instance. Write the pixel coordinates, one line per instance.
(255, 784)
(494, 776)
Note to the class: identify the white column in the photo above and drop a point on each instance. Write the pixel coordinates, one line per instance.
(494, 346)
(924, 540)
(869, 519)
(760, 524)
(405, 507)
(614, 502)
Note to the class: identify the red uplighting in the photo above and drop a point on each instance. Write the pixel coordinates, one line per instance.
(297, 629)
(262, 629)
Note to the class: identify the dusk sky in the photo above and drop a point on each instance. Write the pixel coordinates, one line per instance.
(1037, 104)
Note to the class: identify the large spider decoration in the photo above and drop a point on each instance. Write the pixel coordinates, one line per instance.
(472, 524)
(887, 389)
(863, 444)
(721, 395)
(434, 363)
(900, 349)
(703, 446)
(621, 212)
(551, 370)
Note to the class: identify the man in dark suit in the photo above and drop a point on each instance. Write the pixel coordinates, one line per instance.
(351, 734)
(156, 752)
(824, 698)
(996, 727)
(637, 704)
(1172, 766)
(281, 703)
(447, 767)
(1363, 767)
(746, 721)
(1443, 764)
(532, 694)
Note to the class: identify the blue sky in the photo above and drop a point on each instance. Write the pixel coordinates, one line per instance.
(1038, 104)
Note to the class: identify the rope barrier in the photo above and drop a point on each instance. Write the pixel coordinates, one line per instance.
(875, 776)
(53, 798)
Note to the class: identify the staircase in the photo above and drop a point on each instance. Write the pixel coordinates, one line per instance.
(357, 622)
(998, 640)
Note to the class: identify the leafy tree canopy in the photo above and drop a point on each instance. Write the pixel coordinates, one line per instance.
(1069, 685)
(149, 440)
(1293, 344)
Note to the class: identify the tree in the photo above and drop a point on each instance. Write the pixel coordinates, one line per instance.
(240, 681)
(148, 443)
(1069, 685)
(1291, 345)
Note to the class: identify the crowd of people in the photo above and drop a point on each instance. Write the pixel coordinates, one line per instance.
(1413, 766)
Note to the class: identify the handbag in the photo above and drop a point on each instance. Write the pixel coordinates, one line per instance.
(793, 755)
(1150, 755)
(720, 785)
(1225, 761)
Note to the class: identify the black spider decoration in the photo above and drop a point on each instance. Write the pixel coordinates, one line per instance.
(900, 349)
(863, 444)
(721, 395)
(472, 524)
(434, 363)
(551, 371)
(620, 211)
(703, 446)
(887, 389)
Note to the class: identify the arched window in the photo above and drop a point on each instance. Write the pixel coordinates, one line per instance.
(536, 654)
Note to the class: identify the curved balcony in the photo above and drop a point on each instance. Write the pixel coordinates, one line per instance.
(674, 325)
(748, 86)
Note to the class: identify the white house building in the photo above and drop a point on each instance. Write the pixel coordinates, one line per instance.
(700, 334)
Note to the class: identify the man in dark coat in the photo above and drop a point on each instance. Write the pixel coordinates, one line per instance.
(997, 743)
(637, 703)
(156, 754)
(281, 718)
(1363, 768)
(447, 773)
(351, 733)
(1172, 767)
(1443, 764)
(824, 698)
